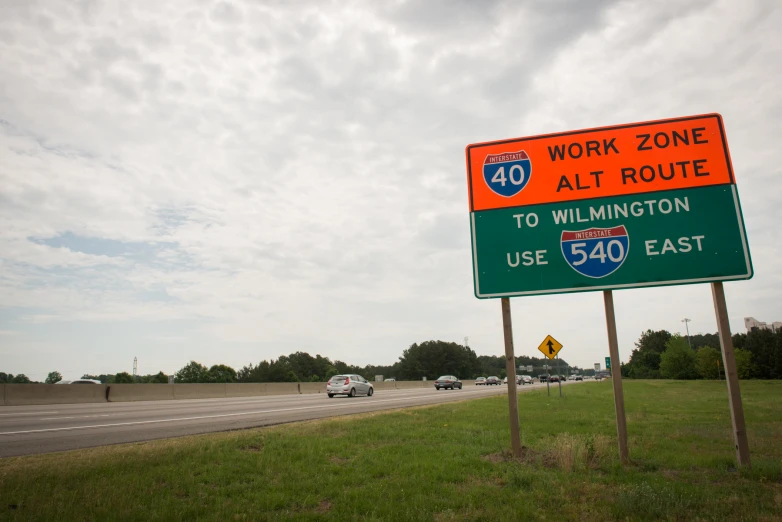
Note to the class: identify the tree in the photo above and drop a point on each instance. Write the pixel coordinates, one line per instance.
(678, 361)
(53, 378)
(644, 361)
(6, 377)
(221, 373)
(123, 378)
(192, 372)
(431, 359)
(743, 363)
(159, 378)
(761, 343)
(20, 378)
(709, 361)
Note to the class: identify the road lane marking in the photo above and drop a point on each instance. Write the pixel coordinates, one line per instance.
(200, 417)
(31, 413)
(80, 417)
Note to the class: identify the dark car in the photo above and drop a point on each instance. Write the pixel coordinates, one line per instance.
(493, 380)
(543, 378)
(553, 378)
(579, 378)
(448, 382)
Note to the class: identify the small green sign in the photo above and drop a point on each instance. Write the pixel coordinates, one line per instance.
(680, 236)
(608, 363)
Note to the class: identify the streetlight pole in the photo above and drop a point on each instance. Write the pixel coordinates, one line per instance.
(687, 326)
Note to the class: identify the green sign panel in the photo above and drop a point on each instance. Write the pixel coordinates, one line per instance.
(608, 363)
(673, 237)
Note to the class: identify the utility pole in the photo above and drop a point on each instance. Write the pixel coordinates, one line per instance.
(135, 367)
(466, 342)
(687, 326)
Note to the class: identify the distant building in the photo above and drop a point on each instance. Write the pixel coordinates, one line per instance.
(753, 324)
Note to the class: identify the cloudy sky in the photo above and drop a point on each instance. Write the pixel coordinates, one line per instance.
(229, 182)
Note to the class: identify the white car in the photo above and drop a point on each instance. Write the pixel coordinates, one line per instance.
(350, 385)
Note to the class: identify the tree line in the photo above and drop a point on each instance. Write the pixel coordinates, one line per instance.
(428, 359)
(662, 355)
(658, 355)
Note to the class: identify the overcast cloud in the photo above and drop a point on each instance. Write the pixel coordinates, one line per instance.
(233, 181)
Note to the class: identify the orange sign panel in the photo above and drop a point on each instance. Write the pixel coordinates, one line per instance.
(607, 161)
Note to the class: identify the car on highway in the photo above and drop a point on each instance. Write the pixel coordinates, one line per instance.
(543, 377)
(81, 381)
(525, 379)
(350, 385)
(553, 378)
(448, 382)
(492, 380)
(578, 378)
(480, 380)
(390, 380)
(505, 380)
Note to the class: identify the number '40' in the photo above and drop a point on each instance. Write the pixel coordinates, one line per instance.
(499, 176)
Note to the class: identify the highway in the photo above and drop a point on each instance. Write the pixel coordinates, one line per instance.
(26, 430)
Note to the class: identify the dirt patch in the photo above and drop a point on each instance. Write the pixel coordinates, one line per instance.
(324, 506)
(253, 448)
(527, 455)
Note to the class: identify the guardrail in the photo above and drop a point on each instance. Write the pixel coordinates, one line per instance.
(31, 394)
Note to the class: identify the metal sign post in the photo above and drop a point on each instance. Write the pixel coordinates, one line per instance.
(559, 377)
(510, 368)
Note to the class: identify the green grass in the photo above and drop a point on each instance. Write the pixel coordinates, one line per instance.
(447, 462)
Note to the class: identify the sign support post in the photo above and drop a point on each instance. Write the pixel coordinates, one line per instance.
(548, 382)
(559, 377)
(731, 376)
(616, 378)
(510, 368)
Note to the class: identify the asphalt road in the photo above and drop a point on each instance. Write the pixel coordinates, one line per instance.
(26, 430)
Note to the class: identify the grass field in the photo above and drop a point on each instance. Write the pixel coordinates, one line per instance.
(440, 463)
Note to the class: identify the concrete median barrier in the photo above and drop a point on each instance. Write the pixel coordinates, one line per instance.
(2, 394)
(28, 394)
(282, 388)
(141, 392)
(407, 385)
(312, 387)
(199, 391)
(245, 389)
(384, 385)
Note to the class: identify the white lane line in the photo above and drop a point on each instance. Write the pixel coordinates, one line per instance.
(222, 415)
(31, 413)
(78, 417)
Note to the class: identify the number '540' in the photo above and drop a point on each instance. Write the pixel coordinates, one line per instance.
(614, 250)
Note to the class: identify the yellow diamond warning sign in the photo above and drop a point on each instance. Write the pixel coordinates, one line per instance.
(550, 347)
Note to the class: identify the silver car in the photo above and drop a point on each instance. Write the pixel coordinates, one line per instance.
(350, 385)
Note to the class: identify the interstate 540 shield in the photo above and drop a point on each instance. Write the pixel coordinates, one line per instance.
(629, 206)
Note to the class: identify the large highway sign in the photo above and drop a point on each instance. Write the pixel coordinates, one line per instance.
(644, 204)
